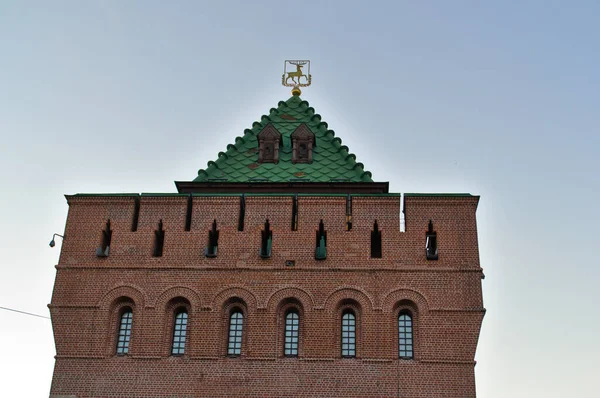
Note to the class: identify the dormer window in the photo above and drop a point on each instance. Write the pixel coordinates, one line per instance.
(269, 140)
(303, 141)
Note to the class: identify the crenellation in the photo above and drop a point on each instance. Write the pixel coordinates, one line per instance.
(455, 230)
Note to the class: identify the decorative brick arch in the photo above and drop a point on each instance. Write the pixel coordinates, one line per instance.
(111, 306)
(130, 291)
(342, 301)
(178, 291)
(235, 291)
(304, 297)
(234, 298)
(412, 302)
(167, 304)
(391, 300)
(279, 304)
(349, 292)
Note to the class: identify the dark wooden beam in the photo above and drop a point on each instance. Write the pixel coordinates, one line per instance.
(281, 187)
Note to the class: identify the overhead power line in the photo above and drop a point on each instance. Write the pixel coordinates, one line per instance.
(23, 312)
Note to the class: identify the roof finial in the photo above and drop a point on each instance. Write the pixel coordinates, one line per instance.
(296, 76)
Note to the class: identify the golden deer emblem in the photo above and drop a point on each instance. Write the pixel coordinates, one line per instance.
(296, 76)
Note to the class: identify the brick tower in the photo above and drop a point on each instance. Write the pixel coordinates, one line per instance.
(281, 270)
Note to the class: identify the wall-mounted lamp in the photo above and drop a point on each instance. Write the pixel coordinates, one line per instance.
(52, 242)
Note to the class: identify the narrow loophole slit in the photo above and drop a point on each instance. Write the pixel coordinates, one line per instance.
(136, 215)
(242, 213)
(188, 215)
(159, 240)
(376, 241)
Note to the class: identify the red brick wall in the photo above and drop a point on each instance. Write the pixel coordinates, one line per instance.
(445, 296)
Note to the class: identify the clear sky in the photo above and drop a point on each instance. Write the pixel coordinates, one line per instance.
(499, 99)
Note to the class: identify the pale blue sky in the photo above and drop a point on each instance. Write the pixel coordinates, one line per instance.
(499, 99)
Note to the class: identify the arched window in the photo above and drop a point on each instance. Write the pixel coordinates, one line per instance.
(236, 322)
(405, 336)
(292, 325)
(179, 332)
(348, 335)
(124, 332)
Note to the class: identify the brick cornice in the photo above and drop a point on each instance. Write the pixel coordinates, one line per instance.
(273, 268)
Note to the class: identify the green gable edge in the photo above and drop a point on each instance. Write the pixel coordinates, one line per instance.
(168, 194)
(133, 195)
(332, 161)
(146, 195)
(440, 195)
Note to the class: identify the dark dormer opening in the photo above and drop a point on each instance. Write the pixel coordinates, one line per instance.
(295, 213)
(159, 240)
(188, 214)
(348, 213)
(269, 141)
(242, 212)
(321, 249)
(376, 241)
(431, 248)
(303, 141)
(269, 152)
(213, 241)
(302, 152)
(266, 240)
(104, 248)
(136, 215)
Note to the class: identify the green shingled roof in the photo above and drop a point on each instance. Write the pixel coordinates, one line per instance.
(332, 161)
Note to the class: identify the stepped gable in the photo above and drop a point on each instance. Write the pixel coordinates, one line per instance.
(331, 161)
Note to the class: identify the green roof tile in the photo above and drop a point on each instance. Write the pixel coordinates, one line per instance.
(331, 159)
